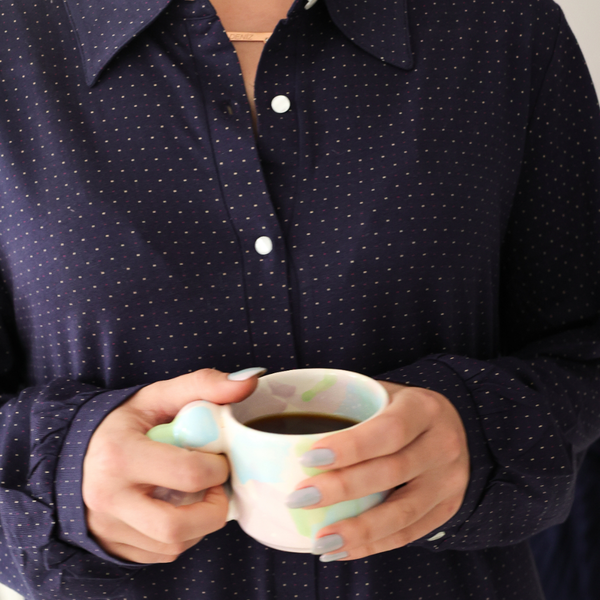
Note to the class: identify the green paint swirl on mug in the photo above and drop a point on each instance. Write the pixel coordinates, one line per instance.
(324, 384)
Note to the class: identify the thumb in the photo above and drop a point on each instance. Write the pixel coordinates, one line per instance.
(169, 396)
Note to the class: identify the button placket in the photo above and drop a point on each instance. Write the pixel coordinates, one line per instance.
(246, 196)
(278, 111)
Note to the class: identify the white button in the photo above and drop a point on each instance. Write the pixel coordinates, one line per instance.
(437, 536)
(310, 4)
(263, 245)
(280, 104)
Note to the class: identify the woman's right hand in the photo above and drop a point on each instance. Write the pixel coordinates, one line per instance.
(123, 467)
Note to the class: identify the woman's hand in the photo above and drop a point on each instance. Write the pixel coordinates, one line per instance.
(123, 467)
(418, 443)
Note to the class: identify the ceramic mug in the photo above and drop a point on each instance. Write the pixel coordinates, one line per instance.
(265, 467)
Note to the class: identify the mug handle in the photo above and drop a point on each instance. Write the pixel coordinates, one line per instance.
(197, 426)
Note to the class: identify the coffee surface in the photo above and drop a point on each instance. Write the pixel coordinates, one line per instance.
(300, 423)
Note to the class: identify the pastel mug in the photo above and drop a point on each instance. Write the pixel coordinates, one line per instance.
(265, 467)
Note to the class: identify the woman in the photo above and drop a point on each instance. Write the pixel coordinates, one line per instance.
(405, 190)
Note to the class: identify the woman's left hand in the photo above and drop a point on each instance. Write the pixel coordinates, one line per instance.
(418, 443)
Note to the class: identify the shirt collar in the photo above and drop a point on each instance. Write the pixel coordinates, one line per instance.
(380, 27)
(103, 27)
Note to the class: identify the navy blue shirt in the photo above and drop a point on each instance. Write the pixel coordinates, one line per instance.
(425, 210)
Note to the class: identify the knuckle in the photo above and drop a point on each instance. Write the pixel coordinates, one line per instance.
(209, 381)
(387, 474)
(170, 558)
(396, 468)
(164, 558)
(155, 555)
(190, 473)
(101, 527)
(456, 481)
(196, 480)
(202, 375)
(393, 428)
(356, 531)
(369, 550)
(97, 498)
(402, 538)
(351, 447)
(217, 524)
(175, 549)
(431, 404)
(168, 533)
(339, 483)
(363, 530)
(199, 471)
(106, 457)
(407, 513)
(453, 445)
(102, 465)
(451, 507)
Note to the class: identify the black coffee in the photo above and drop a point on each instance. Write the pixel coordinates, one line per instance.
(300, 423)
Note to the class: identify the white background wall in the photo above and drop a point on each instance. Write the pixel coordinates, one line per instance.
(584, 18)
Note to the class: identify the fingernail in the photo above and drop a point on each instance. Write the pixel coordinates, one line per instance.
(332, 557)
(304, 497)
(245, 374)
(327, 543)
(320, 457)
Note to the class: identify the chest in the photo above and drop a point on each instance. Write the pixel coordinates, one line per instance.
(140, 202)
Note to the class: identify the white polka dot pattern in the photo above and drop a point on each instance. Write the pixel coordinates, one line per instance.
(426, 210)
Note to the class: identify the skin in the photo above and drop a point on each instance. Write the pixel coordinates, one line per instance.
(419, 440)
(122, 467)
(259, 16)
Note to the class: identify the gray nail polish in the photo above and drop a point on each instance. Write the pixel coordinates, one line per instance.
(304, 497)
(332, 557)
(245, 374)
(320, 457)
(327, 543)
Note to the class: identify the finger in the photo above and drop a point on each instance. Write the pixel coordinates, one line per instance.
(380, 474)
(169, 396)
(171, 525)
(119, 539)
(175, 468)
(402, 508)
(137, 555)
(410, 413)
(135, 459)
(433, 520)
(168, 524)
(439, 494)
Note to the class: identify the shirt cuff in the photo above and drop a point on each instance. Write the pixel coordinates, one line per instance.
(434, 374)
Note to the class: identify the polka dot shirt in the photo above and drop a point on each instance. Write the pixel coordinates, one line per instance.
(420, 204)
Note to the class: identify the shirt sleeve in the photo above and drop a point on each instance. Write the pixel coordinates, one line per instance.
(531, 413)
(45, 549)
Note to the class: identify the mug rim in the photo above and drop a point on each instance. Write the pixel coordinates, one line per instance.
(382, 394)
